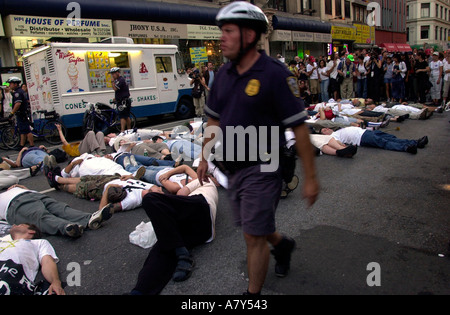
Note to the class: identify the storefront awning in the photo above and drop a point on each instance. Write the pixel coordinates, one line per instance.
(115, 10)
(403, 47)
(391, 47)
(302, 25)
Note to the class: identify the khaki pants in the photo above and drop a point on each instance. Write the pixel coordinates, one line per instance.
(199, 104)
(347, 88)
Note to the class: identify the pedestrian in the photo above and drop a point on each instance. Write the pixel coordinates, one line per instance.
(254, 90)
(324, 79)
(346, 70)
(198, 92)
(313, 74)
(374, 79)
(446, 89)
(122, 98)
(209, 75)
(332, 66)
(436, 67)
(421, 70)
(388, 68)
(20, 108)
(361, 73)
(5, 100)
(398, 79)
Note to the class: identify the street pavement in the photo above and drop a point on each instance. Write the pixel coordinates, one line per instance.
(382, 207)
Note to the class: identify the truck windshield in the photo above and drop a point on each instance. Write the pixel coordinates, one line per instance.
(163, 64)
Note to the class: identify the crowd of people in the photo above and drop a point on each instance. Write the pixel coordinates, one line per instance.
(421, 76)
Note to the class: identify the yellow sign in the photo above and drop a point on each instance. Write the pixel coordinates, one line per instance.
(198, 54)
(252, 88)
(343, 33)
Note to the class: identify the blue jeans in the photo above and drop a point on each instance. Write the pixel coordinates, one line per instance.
(361, 88)
(189, 149)
(379, 139)
(33, 157)
(144, 160)
(324, 90)
(150, 172)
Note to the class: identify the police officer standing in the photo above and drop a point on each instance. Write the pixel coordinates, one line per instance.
(122, 98)
(254, 91)
(20, 109)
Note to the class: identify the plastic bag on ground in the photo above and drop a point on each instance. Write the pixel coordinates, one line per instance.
(143, 236)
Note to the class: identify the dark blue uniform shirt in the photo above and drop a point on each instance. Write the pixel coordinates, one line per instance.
(266, 95)
(122, 91)
(19, 96)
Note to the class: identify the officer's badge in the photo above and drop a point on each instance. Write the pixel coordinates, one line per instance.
(252, 88)
(16, 95)
(293, 86)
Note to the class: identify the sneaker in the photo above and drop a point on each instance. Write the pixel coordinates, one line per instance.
(100, 216)
(282, 253)
(74, 230)
(133, 160)
(140, 172)
(50, 175)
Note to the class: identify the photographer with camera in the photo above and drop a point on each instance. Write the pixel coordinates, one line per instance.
(198, 89)
(375, 67)
(122, 98)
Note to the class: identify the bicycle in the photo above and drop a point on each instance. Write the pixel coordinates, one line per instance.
(102, 117)
(43, 127)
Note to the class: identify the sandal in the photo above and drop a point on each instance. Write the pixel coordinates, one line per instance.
(183, 272)
(37, 169)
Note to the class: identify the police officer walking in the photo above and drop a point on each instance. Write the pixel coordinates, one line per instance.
(20, 108)
(256, 92)
(122, 98)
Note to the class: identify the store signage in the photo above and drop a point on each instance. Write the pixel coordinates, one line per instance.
(20, 25)
(281, 36)
(343, 33)
(135, 29)
(322, 38)
(302, 37)
(203, 32)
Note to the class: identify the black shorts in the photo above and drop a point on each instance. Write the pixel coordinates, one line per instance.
(124, 108)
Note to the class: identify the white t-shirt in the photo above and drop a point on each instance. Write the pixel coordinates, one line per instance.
(362, 71)
(100, 166)
(349, 135)
(6, 197)
(314, 74)
(177, 178)
(322, 73)
(75, 172)
(334, 73)
(435, 66)
(133, 199)
(209, 191)
(28, 253)
(446, 67)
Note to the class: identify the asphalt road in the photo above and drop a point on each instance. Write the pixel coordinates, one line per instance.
(382, 207)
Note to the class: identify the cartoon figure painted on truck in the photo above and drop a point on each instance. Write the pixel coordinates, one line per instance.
(75, 72)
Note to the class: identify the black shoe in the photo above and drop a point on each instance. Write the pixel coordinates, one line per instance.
(422, 142)
(74, 230)
(50, 175)
(282, 253)
(412, 149)
(348, 152)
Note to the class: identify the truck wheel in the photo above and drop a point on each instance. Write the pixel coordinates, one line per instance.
(185, 109)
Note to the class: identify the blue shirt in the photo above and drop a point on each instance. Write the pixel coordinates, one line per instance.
(265, 96)
(122, 91)
(19, 96)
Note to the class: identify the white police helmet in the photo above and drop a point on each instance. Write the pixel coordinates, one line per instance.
(115, 69)
(14, 80)
(245, 14)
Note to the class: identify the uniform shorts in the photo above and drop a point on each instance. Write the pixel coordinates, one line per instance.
(124, 109)
(24, 126)
(91, 187)
(254, 198)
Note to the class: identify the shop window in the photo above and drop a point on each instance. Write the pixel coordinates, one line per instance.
(163, 64)
(99, 64)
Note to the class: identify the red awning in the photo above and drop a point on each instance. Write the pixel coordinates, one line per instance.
(391, 47)
(403, 47)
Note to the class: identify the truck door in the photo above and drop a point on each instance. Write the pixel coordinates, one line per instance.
(166, 79)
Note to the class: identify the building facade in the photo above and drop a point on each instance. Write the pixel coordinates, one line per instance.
(428, 24)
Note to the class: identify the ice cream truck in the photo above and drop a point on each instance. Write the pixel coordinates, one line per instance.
(61, 76)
